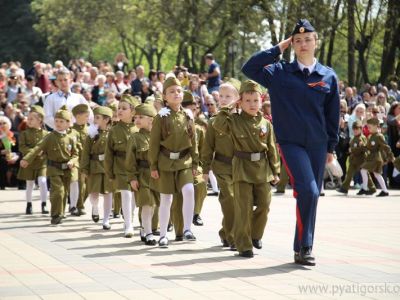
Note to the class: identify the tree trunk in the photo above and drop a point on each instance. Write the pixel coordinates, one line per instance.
(390, 40)
(333, 34)
(351, 42)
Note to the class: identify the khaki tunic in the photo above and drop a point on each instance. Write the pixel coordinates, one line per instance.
(28, 139)
(114, 161)
(91, 165)
(378, 153)
(79, 133)
(137, 150)
(250, 134)
(172, 133)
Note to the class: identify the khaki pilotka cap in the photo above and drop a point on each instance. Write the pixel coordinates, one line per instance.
(130, 99)
(104, 111)
(171, 81)
(188, 98)
(249, 86)
(146, 109)
(373, 121)
(80, 109)
(38, 109)
(63, 113)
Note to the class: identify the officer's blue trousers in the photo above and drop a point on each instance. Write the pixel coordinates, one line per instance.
(305, 167)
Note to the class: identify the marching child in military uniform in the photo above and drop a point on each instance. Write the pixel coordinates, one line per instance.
(115, 155)
(173, 158)
(217, 156)
(255, 164)
(92, 165)
(28, 139)
(62, 156)
(356, 159)
(79, 131)
(379, 153)
(138, 169)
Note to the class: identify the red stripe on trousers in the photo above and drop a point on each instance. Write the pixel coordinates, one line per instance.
(299, 223)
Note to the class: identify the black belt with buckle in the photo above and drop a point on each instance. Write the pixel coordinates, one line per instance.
(58, 165)
(97, 157)
(252, 156)
(143, 163)
(223, 158)
(120, 153)
(174, 155)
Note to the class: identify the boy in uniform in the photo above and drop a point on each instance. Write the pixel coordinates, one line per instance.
(356, 159)
(62, 156)
(255, 164)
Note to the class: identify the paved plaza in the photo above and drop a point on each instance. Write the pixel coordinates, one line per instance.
(357, 249)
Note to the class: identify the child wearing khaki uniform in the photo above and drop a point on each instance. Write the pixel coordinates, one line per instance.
(255, 164)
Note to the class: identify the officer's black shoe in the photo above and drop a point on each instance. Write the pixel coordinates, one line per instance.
(81, 211)
(304, 257)
(225, 243)
(233, 247)
(279, 192)
(213, 194)
(179, 238)
(197, 221)
(247, 254)
(383, 194)
(95, 218)
(342, 190)
(56, 220)
(257, 244)
(156, 232)
(170, 227)
(116, 216)
(28, 210)
(44, 209)
(106, 226)
(322, 194)
(74, 212)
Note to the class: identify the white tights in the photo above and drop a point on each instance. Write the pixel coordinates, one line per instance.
(73, 193)
(42, 181)
(147, 216)
(94, 200)
(379, 178)
(128, 206)
(187, 208)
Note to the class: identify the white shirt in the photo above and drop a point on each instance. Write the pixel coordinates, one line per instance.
(54, 102)
(34, 94)
(310, 67)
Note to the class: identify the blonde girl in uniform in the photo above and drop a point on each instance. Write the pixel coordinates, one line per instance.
(173, 158)
(92, 164)
(28, 139)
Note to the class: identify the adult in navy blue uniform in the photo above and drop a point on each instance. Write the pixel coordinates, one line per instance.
(305, 107)
(213, 73)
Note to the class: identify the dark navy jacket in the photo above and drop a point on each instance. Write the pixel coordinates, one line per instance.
(305, 111)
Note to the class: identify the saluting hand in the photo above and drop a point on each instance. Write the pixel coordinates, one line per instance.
(283, 45)
(23, 163)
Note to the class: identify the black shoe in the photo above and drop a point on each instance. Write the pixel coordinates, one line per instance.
(213, 194)
(179, 238)
(163, 242)
(44, 210)
(28, 210)
(56, 220)
(364, 192)
(95, 218)
(81, 211)
(383, 194)
(74, 212)
(233, 248)
(257, 244)
(170, 227)
(279, 192)
(189, 236)
(149, 240)
(156, 232)
(197, 221)
(106, 226)
(225, 243)
(322, 194)
(247, 254)
(116, 216)
(342, 191)
(304, 257)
